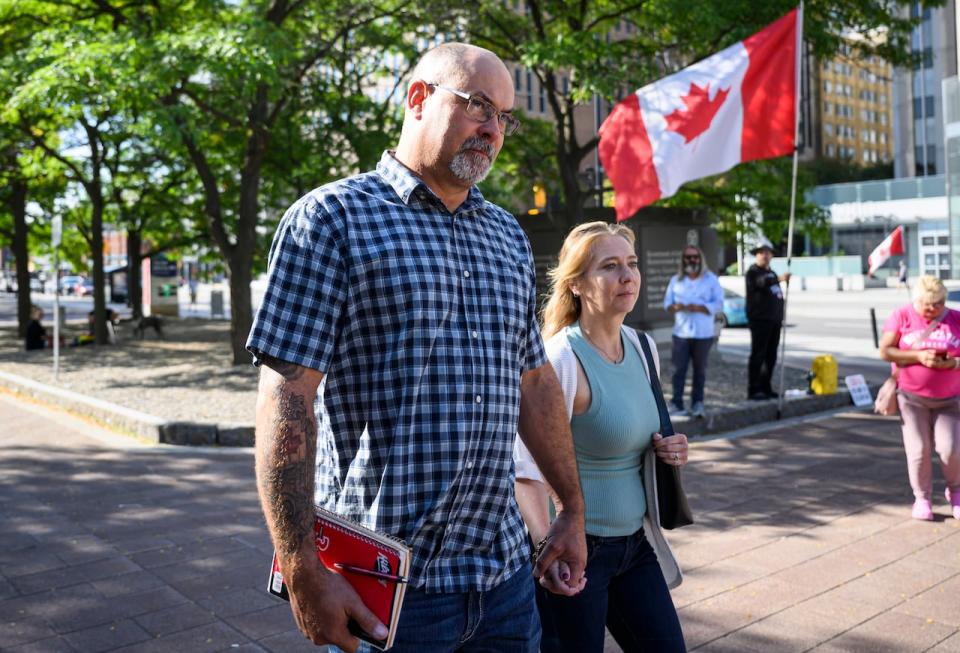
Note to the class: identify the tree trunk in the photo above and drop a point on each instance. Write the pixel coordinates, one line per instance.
(134, 278)
(96, 251)
(18, 206)
(241, 310)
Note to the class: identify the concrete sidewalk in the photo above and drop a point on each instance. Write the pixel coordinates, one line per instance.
(803, 541)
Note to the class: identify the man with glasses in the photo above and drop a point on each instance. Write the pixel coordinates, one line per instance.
(694, 297)
(409, 301)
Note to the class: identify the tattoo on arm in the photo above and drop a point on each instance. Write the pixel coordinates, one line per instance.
(289, 371)
(288, 481)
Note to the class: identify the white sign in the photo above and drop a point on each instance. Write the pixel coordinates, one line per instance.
(859, 390)
(56, 232)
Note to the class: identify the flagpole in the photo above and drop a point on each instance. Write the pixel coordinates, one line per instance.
(793, 205)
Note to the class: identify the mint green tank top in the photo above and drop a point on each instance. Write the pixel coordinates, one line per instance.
(610, 438)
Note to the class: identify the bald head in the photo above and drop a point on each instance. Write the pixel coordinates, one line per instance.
(453, 64)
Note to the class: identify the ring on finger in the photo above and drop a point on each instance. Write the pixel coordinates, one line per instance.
(676, 457)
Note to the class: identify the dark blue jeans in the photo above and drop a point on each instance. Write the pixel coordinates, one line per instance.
(685, 350)
(502, 620)
(625, 592)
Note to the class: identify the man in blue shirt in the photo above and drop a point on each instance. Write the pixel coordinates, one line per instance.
(408, 302)
(694, 297)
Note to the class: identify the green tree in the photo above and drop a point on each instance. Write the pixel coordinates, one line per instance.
(268, 100)
(27, 178)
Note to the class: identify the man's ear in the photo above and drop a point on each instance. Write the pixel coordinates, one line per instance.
(416, 95)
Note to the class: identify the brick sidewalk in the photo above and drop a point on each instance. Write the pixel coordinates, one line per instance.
(803, 540)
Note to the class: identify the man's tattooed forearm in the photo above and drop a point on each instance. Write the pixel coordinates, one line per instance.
(289, 481)
(289, 371)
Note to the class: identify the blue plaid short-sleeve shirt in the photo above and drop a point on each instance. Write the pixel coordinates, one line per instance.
(422, 321)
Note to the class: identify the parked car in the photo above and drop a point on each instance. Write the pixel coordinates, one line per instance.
(734, 311)
(84, 288)
(68, 284)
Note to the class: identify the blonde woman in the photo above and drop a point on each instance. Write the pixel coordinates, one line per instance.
(615, 424)
(923, 340)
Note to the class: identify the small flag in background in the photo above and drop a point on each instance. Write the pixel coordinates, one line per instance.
(737, 105)
(892, 245)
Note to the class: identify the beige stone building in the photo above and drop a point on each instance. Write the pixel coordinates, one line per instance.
(852, 107)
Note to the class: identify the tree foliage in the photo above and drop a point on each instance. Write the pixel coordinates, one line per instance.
(609, 48)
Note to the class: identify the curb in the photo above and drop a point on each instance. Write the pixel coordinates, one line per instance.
(738, 417)
(160, 431)
(148, 427)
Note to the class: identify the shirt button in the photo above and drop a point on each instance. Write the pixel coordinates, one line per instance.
(479, 399)
(469, 464)
(474, 334)
(466, 273)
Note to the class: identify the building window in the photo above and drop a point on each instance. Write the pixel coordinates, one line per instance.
(826, 107)
(830, 150)
(828, 129)
(529, 91)
(516, 79)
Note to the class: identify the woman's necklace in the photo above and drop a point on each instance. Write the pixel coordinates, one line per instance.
(607, 357)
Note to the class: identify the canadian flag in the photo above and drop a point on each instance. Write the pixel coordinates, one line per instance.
(891, 246)
(737, 105)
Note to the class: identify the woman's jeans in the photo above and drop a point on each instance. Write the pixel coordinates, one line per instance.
(685, 350)
(930, 425)
(501, 620)
(625, 592)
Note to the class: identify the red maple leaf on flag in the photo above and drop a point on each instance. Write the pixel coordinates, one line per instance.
(698, 115)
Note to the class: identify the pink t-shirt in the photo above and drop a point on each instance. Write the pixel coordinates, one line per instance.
(910, 325)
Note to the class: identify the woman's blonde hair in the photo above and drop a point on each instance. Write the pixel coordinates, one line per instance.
(562, 308)
(703, 262)
(929, 288)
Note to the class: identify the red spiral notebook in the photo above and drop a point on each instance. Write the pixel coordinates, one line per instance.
(376, 565)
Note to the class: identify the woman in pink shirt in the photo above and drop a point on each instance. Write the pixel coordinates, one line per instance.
(923, 340)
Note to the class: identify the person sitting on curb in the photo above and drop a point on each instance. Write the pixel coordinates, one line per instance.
(36, 333)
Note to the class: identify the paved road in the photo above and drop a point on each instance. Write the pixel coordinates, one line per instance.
(835, 323)
(803, 541)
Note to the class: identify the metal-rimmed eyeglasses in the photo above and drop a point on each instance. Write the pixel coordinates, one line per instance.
(482, 110)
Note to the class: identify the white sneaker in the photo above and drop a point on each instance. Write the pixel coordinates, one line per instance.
(676, 411)
(698, 410)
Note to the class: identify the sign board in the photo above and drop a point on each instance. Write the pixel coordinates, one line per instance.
(859, 390)
(160, 286)
(56, 231)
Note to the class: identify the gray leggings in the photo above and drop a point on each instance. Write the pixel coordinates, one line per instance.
(930, 424)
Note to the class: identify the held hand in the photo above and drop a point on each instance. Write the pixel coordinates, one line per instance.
(672, 450)
(323, 603)
(929, 358)
(553, 581)
(786, 277)
(566, 552)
